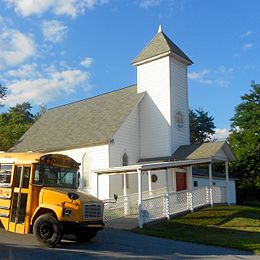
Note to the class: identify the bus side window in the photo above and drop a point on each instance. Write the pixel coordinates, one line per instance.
(5, 174)
(26, 177)
(38, 176)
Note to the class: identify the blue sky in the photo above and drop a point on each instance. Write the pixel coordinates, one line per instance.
(58, 51)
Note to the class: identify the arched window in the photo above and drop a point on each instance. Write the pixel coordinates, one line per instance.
(124, 160)
(125, 163)
(86, 173)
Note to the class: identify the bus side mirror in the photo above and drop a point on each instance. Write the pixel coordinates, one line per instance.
(73, 196)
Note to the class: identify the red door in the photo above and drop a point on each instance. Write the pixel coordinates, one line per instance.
(181, 181)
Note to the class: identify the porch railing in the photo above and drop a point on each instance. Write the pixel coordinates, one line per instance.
(158, 204)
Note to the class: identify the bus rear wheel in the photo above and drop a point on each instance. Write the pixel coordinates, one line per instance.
(47, 230)
(86, 235)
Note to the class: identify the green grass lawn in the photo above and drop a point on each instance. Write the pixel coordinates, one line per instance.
(228, 226)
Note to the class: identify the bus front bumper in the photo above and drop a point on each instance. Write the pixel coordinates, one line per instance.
(71, 227)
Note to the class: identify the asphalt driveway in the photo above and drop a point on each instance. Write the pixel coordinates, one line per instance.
(113, 244)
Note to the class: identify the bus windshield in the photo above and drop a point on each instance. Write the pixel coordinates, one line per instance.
(56, 177)
(49, 173)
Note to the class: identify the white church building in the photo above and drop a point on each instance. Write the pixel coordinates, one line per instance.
(135, 141)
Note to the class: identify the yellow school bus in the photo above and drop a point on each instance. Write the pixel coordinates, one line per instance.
(38, 194)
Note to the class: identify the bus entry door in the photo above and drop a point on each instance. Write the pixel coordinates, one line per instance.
(19, 199)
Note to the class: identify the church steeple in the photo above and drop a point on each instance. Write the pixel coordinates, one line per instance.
(159, 46)
(164, 113)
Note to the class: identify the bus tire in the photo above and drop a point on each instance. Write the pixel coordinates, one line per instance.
(47, 230)
(85, 235)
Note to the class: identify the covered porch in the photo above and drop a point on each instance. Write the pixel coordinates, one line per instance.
(153, 204)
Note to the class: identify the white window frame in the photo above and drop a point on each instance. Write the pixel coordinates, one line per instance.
(86, 173)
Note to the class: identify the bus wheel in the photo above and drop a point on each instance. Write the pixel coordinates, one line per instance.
(86, 235)
(47, 230)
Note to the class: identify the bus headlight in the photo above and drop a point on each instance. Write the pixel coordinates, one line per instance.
(67, 212)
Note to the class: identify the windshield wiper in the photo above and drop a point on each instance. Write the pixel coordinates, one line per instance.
(65, 174)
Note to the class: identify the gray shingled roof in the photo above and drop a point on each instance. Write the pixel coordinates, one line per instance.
(160, 44)
(85, 123)
(202, 151)
(195, 152)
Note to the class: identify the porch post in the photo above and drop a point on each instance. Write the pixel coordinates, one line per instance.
(210, 185)
(124, 183)
(126, 202)
(190, 188)
(97, 185)
(140, 208)
(167, 200)
(150, 182)
(227, 182)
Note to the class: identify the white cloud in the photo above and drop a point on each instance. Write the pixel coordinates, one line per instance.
(59, 7)
(57, 84)
(223, 69)
(219, 76)
(221, 134)
(5, 23)
(246, 34)
(87, 62)
(149, 3)
(15, 47)
(25, 71)
(53, 30)
(222, 83)
(201, 76)
(248, 46)
(198, 75)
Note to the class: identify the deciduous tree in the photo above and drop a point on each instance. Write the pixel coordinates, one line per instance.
(245, 143)
(2, 93)
(201, 126)
(14, 124)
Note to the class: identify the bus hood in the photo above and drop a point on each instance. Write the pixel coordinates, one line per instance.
(83, 196)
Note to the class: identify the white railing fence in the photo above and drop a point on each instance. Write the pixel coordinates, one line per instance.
(153, 208)
(200, 197)
(178, 201)
(158, 204)
(219, 194)
(127, 205)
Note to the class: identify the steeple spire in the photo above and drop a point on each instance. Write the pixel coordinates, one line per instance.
(160, 45)
(160, 28)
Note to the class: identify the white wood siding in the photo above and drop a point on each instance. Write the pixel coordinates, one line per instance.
(179, 102)
(126, 140)
(99, 160)
(219, 182)
(155, 116)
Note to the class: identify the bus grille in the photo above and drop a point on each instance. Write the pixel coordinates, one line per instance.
(93, 210)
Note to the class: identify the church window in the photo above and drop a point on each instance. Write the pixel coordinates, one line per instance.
(86, 176)
(125, 163)
(124, 160)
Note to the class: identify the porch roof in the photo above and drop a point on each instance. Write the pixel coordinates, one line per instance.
(150, 166)
(218, 151)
